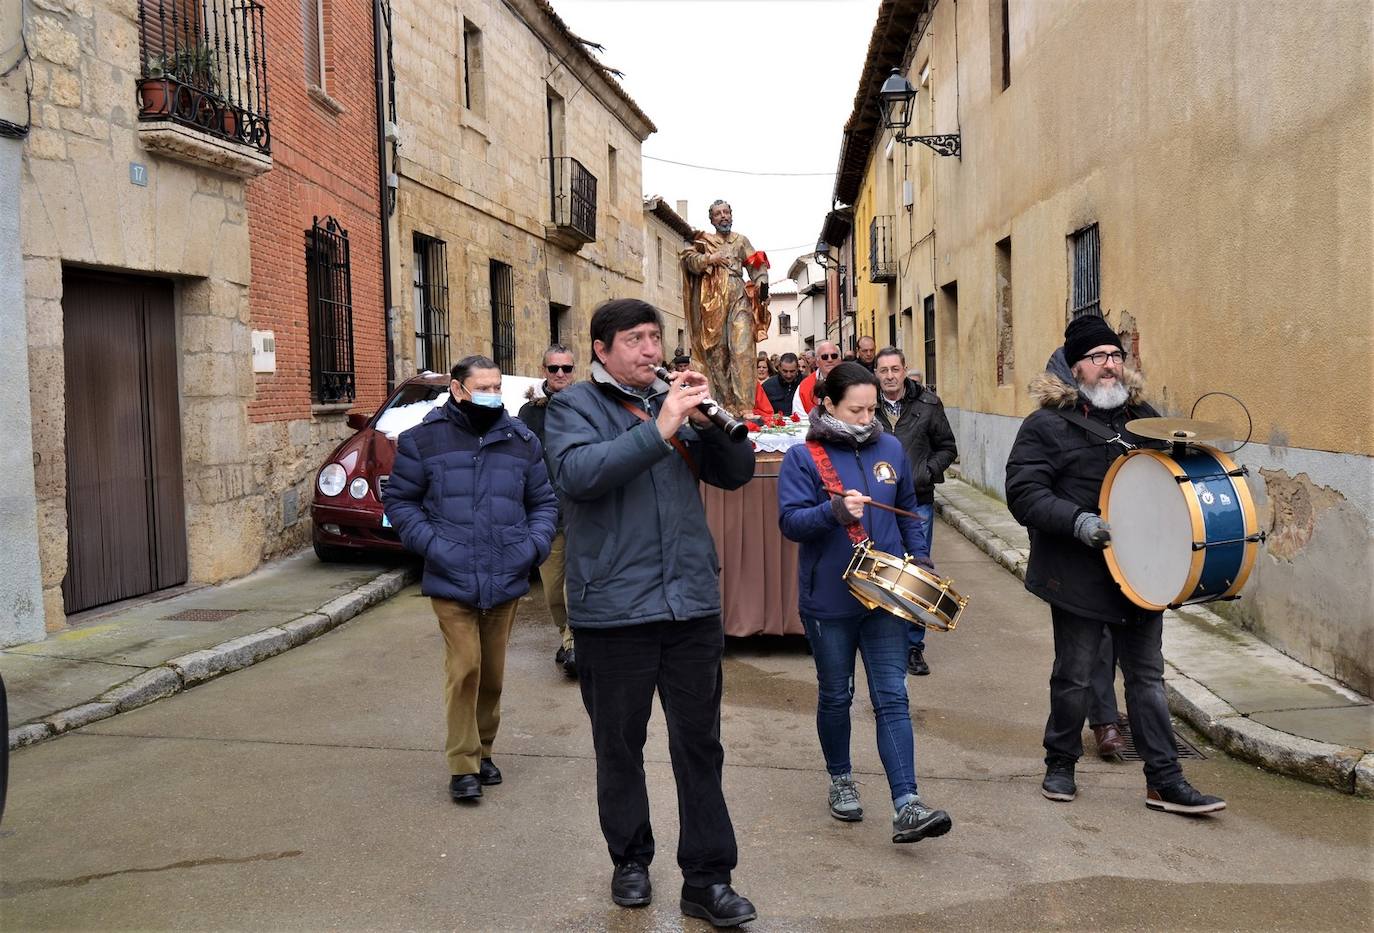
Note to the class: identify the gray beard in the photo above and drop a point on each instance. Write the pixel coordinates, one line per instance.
(1105, 397)
(723, 230)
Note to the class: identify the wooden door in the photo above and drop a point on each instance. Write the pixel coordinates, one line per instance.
(125, 513)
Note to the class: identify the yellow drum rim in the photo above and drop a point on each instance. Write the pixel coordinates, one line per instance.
(1199, 557)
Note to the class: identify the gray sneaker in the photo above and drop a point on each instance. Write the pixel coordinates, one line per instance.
(844, 799)
(916, 821)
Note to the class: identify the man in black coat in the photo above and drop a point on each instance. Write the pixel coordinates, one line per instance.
(781, 388)
(917, 417)
(558, 370)
(1054, 477)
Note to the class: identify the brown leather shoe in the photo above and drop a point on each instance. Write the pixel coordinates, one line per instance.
(1109, 740)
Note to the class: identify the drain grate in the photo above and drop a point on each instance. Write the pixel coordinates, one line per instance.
(1184, 748)
(201, 615)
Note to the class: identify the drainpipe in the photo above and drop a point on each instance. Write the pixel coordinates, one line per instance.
(384, 192)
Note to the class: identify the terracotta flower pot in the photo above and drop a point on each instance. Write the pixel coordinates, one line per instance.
(153, 94)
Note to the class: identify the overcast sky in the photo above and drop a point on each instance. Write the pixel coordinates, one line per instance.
(753, 85)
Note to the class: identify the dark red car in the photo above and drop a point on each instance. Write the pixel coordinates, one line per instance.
(347, 506)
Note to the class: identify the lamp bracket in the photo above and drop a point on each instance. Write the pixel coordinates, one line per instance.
(946, 145)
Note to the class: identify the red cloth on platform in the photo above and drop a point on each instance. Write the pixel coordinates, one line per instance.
(761, 404)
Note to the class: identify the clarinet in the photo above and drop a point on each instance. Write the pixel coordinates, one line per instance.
(734, 429)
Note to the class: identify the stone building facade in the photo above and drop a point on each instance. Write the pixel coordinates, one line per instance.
(519, 206)
(666, 234)
(1223, 227)
(136, 239)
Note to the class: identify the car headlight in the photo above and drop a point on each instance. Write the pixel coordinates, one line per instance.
(358, 488)
(332, 480)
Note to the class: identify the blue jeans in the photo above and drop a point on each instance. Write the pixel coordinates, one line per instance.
(916, 634)
(881, 638)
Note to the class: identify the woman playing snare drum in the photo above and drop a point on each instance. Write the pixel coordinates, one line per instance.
(847, 450)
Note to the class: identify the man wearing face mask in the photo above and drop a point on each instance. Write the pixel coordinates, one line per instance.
(470, 493)
(1054, 478)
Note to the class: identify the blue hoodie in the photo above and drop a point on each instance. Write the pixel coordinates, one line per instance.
(879, 469)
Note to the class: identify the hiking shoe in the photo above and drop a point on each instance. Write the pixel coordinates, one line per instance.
(1058, 783)
(916, 821)
(844, 799)
(1182, 797)
(916, 661)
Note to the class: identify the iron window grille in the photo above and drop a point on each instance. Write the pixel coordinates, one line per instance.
(203, 64)
(573, 196)
(502, 317)
(329, 289)
(1085, 259)
(882, 263)
(430, 281)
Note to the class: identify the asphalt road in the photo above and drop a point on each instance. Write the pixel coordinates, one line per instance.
(309, 792)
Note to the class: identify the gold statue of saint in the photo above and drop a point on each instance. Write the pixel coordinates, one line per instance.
(725, 298)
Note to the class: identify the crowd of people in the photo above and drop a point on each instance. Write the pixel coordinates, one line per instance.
(595, 484)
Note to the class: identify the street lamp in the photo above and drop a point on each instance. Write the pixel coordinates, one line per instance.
(895, 100)
(826, 261)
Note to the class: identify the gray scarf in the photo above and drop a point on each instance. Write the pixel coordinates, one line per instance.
(826, 427)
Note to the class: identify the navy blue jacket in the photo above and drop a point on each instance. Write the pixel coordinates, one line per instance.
(638, 548)
(878, 469)
(480, 510)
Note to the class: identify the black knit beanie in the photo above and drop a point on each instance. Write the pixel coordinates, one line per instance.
(1086, 332)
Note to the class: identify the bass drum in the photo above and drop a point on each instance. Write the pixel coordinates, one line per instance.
(1184, 528)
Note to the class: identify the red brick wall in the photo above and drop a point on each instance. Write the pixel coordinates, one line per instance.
(323, 163)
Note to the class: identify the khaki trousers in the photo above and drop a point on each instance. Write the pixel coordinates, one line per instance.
(474, 668)
(551, 573)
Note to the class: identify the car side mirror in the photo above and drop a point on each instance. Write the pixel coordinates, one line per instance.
(357, 421)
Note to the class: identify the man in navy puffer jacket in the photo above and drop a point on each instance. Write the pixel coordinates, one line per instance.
(469, 492)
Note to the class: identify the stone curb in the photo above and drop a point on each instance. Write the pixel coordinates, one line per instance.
(177, 674)
(1281, 752)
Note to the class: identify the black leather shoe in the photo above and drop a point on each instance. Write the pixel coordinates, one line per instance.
(916, 661)
(630, 885)
(559, 655)
(465, 788)
(570, 663)
(718, 905)
(488, 773)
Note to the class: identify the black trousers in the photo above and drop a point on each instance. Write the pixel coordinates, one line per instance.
(619, 670)
(1139, 652)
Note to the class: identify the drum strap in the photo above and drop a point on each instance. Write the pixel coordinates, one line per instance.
(831, 479)
(1095, 428)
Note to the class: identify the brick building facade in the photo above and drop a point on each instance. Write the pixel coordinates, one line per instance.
(324, 148)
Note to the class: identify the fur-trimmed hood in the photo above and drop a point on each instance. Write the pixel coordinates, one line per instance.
(538, 395)
(1056, 388)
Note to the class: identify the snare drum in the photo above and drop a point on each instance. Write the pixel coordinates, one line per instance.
(1184, 528)
(903, 588)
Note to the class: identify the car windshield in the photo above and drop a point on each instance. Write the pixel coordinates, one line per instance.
(409, 408)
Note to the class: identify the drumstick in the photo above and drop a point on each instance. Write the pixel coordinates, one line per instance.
(877, 505)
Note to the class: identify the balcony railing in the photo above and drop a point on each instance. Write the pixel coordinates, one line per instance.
(573, 191)
(882, 261)
(204, 65)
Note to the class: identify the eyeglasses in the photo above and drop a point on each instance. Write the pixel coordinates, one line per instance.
(1100, 359)
(559, 369)
(830, 356)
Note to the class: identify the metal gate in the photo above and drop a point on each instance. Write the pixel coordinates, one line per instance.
(126, 527)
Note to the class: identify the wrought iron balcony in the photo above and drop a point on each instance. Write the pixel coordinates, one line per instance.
(204, 66)
(882, 260)
(573, 191)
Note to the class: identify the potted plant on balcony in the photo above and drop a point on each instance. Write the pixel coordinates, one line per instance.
(153, 89)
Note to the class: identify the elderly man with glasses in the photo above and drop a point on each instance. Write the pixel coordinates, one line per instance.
(558, 369)
(812, 387)
(1054, 476)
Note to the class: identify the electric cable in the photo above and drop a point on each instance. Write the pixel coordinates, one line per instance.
(738, 171)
